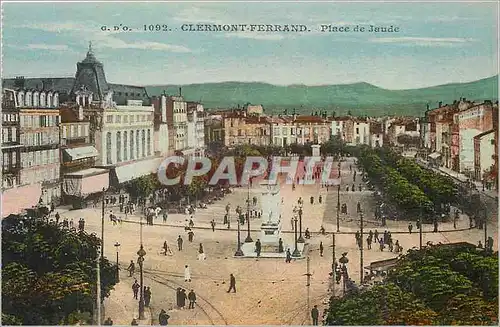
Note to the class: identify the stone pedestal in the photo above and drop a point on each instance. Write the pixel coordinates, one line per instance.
(315, 150)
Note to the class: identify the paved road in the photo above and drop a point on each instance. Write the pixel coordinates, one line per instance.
(269, 291)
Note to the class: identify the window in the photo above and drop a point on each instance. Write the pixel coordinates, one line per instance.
(357, 130)
(108, 148)
(125, 119)
(118, 119)
(239, 132)
(125, 146)
(149, 142)
(137, 145)
(132, 119)
(118, 146)
(143, 136)
(131, 145)
(126, 94)
(109, 119)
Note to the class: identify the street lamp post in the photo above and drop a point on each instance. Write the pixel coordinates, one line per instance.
(141, 253)
(296, 252)
(248, 239)
(361, 247)
(338, 208)
(102, 222)
(420, 233)
(239, 252)
(343, 260)
(300, 239)
(228, 210)
(117, 246)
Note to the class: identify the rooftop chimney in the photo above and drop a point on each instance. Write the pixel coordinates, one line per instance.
(180, 91)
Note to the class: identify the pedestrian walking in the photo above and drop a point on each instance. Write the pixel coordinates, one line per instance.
(179, 242)
(178, 296)
(135, 288)
(183, 298)
(232, 284)
(258, 247)
(163, 318)
(108, 322)
(288, 256)
(131, 268)
(190, 236)
(435, 226)
(381, 244)
(369, 242)
(57, 218)
(147, 296)
(165, 216)
(312, 199)
(201, 253)
(410, 227)
(165, 247)
(315, 315)
(320, 199)
(187, 274)
(212, 223)
(321, 248)
(280, 246)
(192, 299)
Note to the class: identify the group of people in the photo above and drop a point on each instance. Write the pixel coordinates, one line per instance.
(146, 292)
(383, 240)
(182, 297)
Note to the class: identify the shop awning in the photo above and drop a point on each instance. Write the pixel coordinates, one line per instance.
(17, 199)
(82, 152)
(85, 182)
(137, 169)
(434, 155)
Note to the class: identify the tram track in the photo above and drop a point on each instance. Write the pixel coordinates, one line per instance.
(205, 306)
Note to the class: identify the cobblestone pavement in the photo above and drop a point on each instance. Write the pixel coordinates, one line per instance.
(269, 291)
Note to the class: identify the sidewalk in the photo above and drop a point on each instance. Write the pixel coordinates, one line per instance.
(121, 307)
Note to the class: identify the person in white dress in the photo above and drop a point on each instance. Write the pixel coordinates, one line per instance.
(187, 274)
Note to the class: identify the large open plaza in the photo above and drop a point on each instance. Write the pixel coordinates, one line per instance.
(269, 290)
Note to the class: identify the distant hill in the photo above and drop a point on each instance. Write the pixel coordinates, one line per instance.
(360, 98)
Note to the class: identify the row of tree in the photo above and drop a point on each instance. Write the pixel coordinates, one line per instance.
(441, 189)
(405, 195)
(439, 285)
(49, 273)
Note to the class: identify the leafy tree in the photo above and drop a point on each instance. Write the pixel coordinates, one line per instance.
(438, 285)
(381, 305)
(143, 186)
(49, 273)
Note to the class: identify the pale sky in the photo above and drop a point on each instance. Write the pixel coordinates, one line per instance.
(438, 43)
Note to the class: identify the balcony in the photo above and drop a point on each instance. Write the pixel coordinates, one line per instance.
(49, 146)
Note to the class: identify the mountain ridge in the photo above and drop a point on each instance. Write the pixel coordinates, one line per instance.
(364, 97)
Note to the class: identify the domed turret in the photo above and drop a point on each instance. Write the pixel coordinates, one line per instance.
(90, 76)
